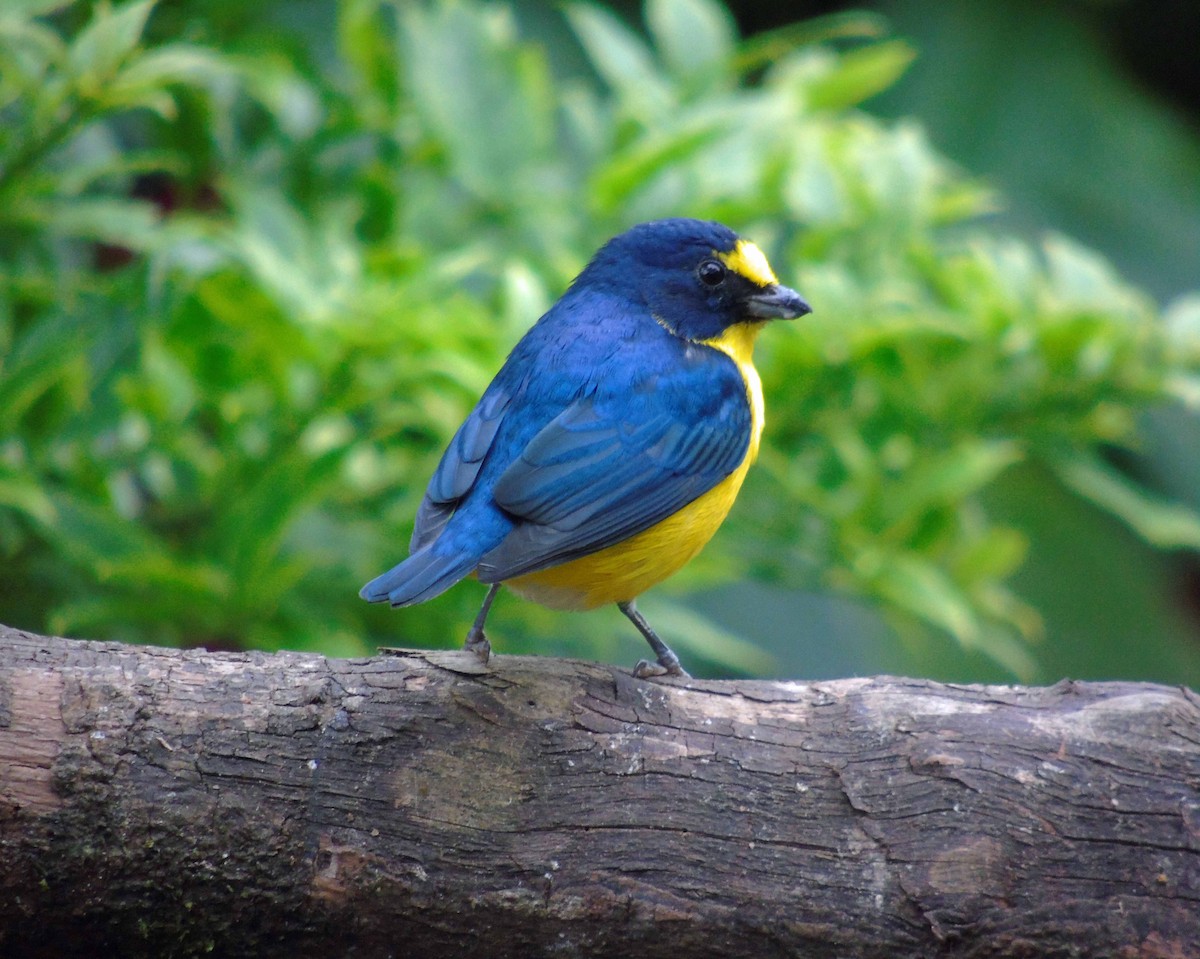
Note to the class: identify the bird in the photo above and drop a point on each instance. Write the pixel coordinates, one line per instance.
(613, 441)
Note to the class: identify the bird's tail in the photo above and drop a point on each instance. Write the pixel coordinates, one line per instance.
(422, 576)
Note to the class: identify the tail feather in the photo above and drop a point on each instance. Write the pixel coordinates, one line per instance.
(422, 576)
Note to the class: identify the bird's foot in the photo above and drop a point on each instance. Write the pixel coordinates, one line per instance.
(648, 670)
(668, 663)
(477, 643)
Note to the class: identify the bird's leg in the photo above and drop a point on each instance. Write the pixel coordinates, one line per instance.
(477, 642)
(668, 662)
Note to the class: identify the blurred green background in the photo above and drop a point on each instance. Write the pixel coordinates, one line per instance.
(258, 260)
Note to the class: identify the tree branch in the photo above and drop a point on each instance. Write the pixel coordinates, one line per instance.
(164, 802)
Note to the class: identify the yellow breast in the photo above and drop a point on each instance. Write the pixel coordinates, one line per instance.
(624, 570)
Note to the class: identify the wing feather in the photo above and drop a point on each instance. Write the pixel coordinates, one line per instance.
(607, 468)
(459, 467)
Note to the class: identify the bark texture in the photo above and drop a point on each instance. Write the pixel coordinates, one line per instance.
(158, 802)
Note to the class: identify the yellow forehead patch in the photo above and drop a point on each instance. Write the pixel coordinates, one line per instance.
(748, 261)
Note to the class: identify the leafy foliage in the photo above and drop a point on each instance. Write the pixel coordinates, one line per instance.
(246, 299)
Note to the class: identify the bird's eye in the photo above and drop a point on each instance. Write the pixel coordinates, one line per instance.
(711, 273)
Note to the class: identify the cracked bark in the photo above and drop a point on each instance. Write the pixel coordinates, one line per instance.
(159, 802)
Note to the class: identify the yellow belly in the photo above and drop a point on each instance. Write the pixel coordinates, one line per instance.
(624, 570)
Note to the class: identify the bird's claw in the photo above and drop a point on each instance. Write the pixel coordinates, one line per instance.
(648, 670)
(477, 644)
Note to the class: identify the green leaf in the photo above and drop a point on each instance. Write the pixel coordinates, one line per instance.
(126, 223)
(1163, 524)
(923, 589)
(771, 46)
(621, 58)
(158, 571)
(141, 82)
(94, 537)
(105, 43)
(632, 168)
(255, 520)
(22, 9)
(95, 173)
(49, 354)
(860, 74)
(948, 478)
(25, 496)
(1083, 279)
(998, 552)
(290, 99)
(27, 50)
(1182, 321)
(369, 51)
(1185, 389)
(694, 37)
(484, 96)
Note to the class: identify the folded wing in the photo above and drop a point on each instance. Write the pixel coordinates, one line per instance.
(607, 468)
(459, 467)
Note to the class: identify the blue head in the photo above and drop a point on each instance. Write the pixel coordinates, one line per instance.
(697, 277)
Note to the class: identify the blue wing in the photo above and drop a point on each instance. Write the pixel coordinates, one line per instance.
(434, 566)
(611, 465)
(459, 467)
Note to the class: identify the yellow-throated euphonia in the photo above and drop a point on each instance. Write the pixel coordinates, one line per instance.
(613, 441)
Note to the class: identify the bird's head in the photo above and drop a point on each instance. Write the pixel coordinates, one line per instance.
(698, 278)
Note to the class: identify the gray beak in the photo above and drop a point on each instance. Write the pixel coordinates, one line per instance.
(776, 302)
